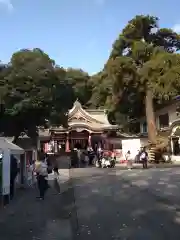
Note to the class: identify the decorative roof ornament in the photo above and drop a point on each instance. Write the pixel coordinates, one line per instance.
(77, 103)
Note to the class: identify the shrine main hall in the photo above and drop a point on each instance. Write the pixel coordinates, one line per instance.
(86, 127)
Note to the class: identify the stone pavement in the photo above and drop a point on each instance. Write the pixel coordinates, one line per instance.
(99, 203)
(63, 179)
(30, 219)
(150, 165)
(122, 204)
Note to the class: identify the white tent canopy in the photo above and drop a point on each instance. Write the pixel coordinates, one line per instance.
(6, 144)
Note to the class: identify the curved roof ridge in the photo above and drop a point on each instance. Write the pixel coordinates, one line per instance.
(78, 107)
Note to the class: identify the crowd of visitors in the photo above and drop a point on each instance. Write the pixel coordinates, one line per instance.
(45, 165)
(79, 158)
(84, 157)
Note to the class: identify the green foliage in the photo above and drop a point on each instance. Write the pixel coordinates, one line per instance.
(162, 74)
(80, 81)
(143, 58)
(35, 90)
(101, 91)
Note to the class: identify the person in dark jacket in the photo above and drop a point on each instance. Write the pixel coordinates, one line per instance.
(90, 155)
(144, 158)
(49, 163)
(14, 170)
(56, 167)
(74, 158)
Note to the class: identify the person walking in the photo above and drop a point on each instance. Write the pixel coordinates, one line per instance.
(56, 177)
(42, 174)
(56, 167)
(144, 158)
(90, 155)
(99, 152)
(74, 158)
(113, 158)
(129, 159)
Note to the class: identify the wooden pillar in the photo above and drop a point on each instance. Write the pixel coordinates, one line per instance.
(67, 143)
(172, 146)
(38, 144)
(89, 140)
(55, 146)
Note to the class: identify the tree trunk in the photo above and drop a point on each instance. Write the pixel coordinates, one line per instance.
(150, 118)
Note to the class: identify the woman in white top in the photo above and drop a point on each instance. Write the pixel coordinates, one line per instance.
(42, 174)
(129, 160)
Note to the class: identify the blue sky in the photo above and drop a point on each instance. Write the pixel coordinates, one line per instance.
(76, 33)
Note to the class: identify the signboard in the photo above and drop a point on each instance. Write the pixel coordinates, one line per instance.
(132, 145)
(6, 172)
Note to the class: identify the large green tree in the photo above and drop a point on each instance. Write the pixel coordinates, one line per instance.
(80, 81)
(101, 91)
(35, 92)
(142, 58)
(120, 103)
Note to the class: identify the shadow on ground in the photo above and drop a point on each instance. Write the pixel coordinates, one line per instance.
(120, 205)
(107, 204)
(27, 218)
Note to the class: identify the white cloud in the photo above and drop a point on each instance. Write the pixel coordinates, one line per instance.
(176, 28)
(8, 4)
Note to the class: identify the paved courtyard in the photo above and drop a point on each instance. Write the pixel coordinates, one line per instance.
(100, 203)
(121, 204)
(30, 219)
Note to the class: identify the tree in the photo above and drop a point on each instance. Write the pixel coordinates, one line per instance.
(140, 46)
(36, 92)
(121, 103)
(101, 91)
(81, 84)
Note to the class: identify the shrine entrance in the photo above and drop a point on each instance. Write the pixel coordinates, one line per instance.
(79, 139)
(85, 128)
(96, 141)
